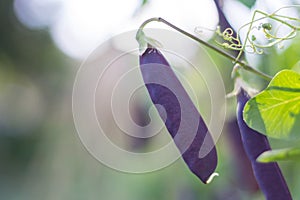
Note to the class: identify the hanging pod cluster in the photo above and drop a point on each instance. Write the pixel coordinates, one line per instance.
(190, 133)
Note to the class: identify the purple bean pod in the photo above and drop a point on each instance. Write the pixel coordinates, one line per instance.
(268, 175)
(180, 115)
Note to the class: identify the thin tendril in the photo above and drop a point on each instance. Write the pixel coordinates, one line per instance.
(234, 43)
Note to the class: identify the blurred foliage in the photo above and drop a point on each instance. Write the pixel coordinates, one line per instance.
(144, 2)
(32, 82)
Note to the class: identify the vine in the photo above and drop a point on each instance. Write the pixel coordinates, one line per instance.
(143, 40)
(233, 42)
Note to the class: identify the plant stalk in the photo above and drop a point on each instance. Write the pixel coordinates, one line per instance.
(223, 53)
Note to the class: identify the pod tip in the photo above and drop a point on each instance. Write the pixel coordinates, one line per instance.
(211, 177)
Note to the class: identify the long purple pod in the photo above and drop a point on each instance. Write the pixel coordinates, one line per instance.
(180, 115)
(268, 175)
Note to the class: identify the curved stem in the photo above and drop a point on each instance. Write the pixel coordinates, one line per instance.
(223, 53)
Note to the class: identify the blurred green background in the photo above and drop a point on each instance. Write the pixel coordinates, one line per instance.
(41, 156)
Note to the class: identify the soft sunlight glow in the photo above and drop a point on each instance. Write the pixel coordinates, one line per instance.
(187, 15)
(80, 26)
(37, 13)
(83, 25)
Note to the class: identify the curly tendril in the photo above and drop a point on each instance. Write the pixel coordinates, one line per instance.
(230, 41)
(251, 44)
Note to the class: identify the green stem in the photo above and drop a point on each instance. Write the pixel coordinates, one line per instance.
(223, 53)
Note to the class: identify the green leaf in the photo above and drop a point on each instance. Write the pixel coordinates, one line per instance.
(275, 112)
(278, 155)
(144, 2)
(248, 3)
